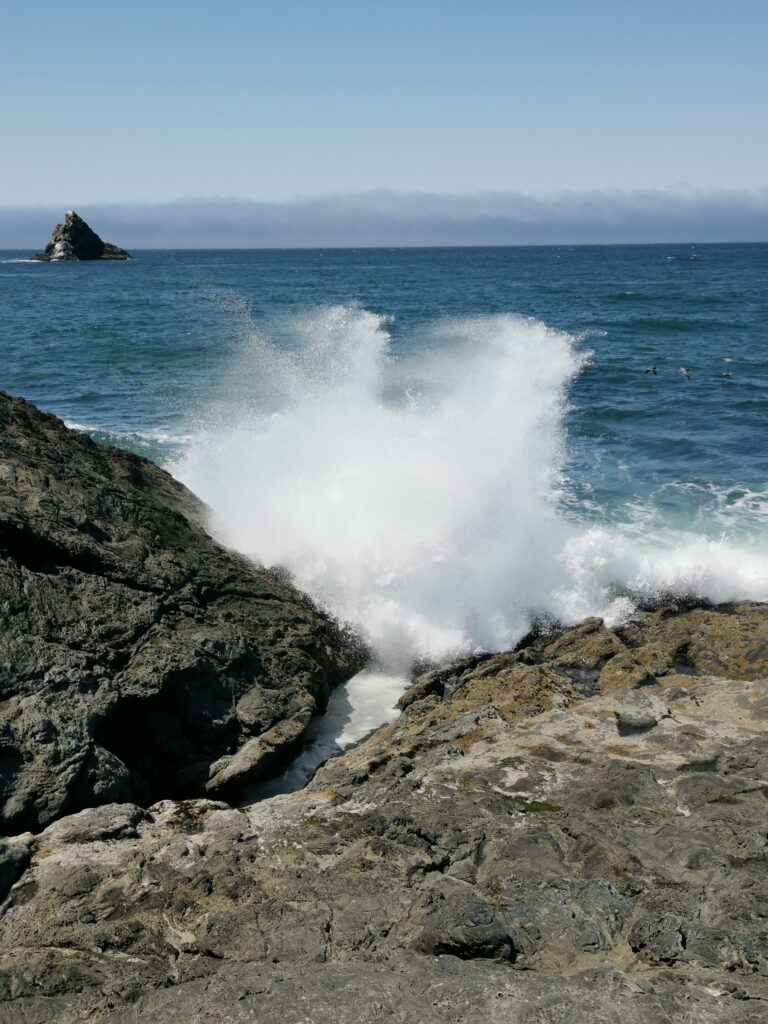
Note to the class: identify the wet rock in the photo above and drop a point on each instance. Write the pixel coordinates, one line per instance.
(75, 240)
(254, 759)
(131, 642)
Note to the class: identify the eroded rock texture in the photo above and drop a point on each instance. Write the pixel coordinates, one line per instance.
(138, 658)
(572, 832)
(75, 240)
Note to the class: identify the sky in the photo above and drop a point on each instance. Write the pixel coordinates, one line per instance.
(195, 105)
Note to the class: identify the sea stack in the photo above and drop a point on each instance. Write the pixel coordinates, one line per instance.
(75, 240)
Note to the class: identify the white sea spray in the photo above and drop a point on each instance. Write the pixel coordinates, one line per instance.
(418, 497)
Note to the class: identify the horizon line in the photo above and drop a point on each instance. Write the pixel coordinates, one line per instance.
(444, 245)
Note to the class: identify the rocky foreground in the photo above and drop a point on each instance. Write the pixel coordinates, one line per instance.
(575, 831)
(74, 240)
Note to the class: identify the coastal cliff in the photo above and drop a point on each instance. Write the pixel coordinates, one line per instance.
(573, 831)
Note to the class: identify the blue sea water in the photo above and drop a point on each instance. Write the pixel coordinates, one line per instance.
(411, 388)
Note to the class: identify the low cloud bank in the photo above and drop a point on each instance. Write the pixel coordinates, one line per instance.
(392, 218)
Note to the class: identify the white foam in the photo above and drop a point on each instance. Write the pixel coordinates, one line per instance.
(354, 711)
(81, 427)
(598, 562)
(164, 437)
(418, 497)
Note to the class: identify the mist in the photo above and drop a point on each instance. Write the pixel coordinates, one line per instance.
(408, 219)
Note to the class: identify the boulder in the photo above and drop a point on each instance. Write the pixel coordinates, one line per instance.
(137, 656)
(75, 240)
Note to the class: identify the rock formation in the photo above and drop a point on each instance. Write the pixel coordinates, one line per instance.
(74, 240)
(138, 658)
(570, 833)
(573, 832)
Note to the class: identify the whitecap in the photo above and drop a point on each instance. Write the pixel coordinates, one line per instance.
(420, 497)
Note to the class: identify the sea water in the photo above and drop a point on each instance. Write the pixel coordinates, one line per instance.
(440, 444)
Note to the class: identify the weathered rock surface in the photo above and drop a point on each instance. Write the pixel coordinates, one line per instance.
(138, 658)
(573, 832)
(75, 240)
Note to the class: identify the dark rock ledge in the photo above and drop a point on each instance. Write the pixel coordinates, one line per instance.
(139, 660)
(574, 832)
(75, 240)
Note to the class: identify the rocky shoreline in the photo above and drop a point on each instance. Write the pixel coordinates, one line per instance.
(572, 831)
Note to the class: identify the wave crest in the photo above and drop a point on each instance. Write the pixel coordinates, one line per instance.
(418, 497)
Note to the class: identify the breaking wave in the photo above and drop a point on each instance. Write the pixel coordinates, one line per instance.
(418, 496)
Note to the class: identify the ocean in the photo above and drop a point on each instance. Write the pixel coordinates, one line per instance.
(442, 445)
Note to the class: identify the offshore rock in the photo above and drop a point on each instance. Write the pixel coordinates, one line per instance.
(75, 240)
(137, 656)
(539, 838)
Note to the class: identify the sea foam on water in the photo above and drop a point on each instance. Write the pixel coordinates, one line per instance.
(417, 496)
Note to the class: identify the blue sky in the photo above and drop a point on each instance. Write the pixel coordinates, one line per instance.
(140, 101)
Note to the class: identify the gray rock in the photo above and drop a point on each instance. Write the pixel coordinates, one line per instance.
(75, 240)
(501, 852)
(111, 821)
(14, 859)
(133, 648)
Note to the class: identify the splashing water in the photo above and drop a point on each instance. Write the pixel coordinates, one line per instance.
(417, 497)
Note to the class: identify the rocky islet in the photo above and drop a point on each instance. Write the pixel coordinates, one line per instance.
(74, 240)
